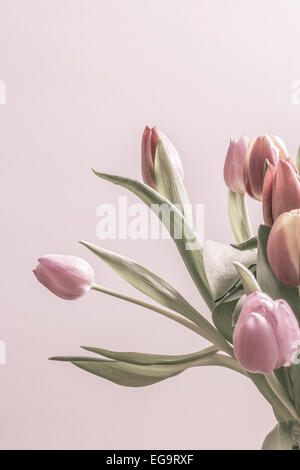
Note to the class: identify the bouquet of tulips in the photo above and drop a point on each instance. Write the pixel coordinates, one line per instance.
(251, 287)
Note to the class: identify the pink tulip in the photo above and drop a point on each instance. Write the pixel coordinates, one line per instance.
(267, 195)
(260, 150)
(68, 277)
(278, 142)
(281, 192)
(235, 164)
(284, 248)
(267, 334)
(149, 144)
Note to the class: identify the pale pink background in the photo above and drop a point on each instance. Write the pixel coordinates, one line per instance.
(83, 78)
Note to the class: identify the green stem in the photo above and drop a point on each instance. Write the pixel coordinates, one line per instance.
(197, 323)
(245, 215)
(279, 390)
(268, 393)
(188, 324)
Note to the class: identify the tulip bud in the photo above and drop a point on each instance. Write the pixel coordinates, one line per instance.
(267, 334)
(267, 195)
(278, 142)
(235, 163)
(284, 248)
(149, 144)
(68, 277)
(261, 149)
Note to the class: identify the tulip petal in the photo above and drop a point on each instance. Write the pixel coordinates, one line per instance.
(284, 248)
(286, 190)
(149, 143)
(263, 149)
(267, 195)
(255, 345)
(68, 277)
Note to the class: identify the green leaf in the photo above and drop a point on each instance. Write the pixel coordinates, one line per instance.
(298, 160)
(267, 279)
(237, 310)
(159, 290)
(150, 359)
(249, 282)
(218, 261)
(222, 318)
(130, 375)
(141, 278)
(188, 246)
(294, 375)
(136, 375)
(236, 213)
(280, 438)
(169, 183)
(249, 244)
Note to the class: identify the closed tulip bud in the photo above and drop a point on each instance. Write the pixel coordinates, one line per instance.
(149, 144)
(235, 164)
(260, 150)
(281, 191)
(278, 142)
(284, 248)
(267, 334)
(68, 277)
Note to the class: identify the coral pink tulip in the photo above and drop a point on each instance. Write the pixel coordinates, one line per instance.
(68, 277)
(284, 248)
(149, 144)
(235, 164)
(281, 191)
(267, 334)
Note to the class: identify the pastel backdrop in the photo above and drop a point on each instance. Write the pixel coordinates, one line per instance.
(82, 79)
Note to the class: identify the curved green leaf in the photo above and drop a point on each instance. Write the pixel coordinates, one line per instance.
(249, 244)
(249, 282)
(148, 359)
(169, 183)
(188, 246)
(237, 216)
(136, 375)
(222, 318)
(141, 278)
(280, 438)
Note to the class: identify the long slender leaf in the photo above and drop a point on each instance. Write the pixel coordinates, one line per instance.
(188, 246)
(148, 359)
(159, 290)
(136, 375)
(236, 217)
(249, 282)
(169, 182)
(141, 278)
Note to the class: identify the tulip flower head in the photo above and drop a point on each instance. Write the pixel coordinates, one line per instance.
(284, 248)
(267, 334)
(259, 150)
(235, 164)
(281, 190)
(149, 145)
(68, 277)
